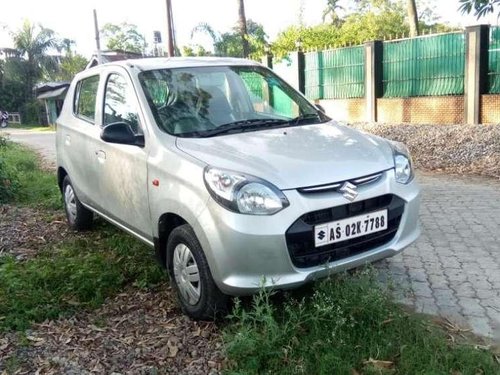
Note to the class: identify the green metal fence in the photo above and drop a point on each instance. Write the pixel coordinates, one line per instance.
(424, 66)
(494, 61)
(335, 74)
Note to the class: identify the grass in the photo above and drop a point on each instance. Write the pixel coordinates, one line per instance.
(32, 127)
(345, 325)
(74, 275)
(29, 184)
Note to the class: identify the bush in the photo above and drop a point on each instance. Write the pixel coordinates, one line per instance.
(462, 149)
(8, 178)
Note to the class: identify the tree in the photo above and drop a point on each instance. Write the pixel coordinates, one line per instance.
(331, 11)
(229, 44)
(33, 43)
(412, 17)
(480, 8)
(242, 25)
(124, 37)
(379, 19)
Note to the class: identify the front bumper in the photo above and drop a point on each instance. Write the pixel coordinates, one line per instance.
(248, 252)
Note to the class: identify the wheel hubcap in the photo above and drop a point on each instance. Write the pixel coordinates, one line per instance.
(186, 274)
(70, 202)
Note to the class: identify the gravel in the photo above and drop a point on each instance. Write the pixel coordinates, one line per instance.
(455, 149)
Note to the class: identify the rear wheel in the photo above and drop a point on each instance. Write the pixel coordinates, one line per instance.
(79, 217)
(196, 291)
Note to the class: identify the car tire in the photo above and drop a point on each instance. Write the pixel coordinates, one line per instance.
(79, 218)
(191, 278)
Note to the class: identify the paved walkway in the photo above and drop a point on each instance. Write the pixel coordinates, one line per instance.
(454, 268)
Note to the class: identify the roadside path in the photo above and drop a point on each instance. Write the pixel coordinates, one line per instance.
(44, 142)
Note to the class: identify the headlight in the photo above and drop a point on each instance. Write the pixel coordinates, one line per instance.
(403, 165)
(243, 193)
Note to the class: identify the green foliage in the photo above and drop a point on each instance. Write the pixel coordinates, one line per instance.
(8, 178)
(28, 184)
(336, 328)
(480, 8)
(124, 37)
(367, 20)
(229, 44)
(73, 275)
(33, 43)
(195, 50)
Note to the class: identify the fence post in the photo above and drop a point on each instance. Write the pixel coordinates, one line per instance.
(301, 70)
(321, 76)
(476, 70)
(373, 77)
(267, 60)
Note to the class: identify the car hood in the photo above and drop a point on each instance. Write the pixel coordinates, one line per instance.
(297, 156)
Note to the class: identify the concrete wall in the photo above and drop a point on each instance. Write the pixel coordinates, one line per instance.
(349, 110)
(490, 109)
(420, 110)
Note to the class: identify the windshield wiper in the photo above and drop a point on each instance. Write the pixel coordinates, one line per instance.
(305, 117)
(244, 125)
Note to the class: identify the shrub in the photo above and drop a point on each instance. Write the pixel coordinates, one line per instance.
(8, 178)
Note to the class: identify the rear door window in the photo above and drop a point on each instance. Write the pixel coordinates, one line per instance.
(85, 98)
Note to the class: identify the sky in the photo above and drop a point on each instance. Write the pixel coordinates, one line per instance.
(74, 19)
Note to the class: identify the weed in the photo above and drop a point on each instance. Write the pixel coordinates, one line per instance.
(346, 321)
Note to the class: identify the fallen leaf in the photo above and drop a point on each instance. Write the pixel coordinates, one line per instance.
(172, 349)
(379, 364)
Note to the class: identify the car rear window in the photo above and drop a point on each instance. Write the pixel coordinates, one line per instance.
(85, 98)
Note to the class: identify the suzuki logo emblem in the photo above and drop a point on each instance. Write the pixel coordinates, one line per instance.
(349, 191)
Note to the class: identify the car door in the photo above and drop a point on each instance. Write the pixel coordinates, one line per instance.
(76, 129)
(122, 169)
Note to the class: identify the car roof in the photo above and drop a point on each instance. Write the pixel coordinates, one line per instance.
(177, 62)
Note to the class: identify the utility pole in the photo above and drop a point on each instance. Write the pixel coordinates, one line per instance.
(97, 38)
(170, 30)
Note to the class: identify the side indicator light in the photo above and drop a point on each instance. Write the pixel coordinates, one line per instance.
(156, 182)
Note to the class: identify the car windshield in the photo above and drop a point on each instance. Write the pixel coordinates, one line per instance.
(216, 100)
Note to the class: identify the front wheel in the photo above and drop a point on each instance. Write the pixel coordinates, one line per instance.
(79, 217)
(197, 293)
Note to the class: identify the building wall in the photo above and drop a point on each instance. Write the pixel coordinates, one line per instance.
(490, 109)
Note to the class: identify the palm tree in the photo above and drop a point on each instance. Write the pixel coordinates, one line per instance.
(242, 23)
(33, 42)
(331, 9)
(413, 18)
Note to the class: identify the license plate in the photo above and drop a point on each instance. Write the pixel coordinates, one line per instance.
(346, 229)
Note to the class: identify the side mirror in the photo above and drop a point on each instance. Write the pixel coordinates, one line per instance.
(121, 132)
(320, 108)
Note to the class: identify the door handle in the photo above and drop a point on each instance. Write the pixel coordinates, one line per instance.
(67, 140)
(101, 156)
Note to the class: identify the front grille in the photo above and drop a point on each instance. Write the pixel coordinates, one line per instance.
(300, 236)
(335, 186)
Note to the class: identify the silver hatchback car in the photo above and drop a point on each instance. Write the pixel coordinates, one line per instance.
(235, 179)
